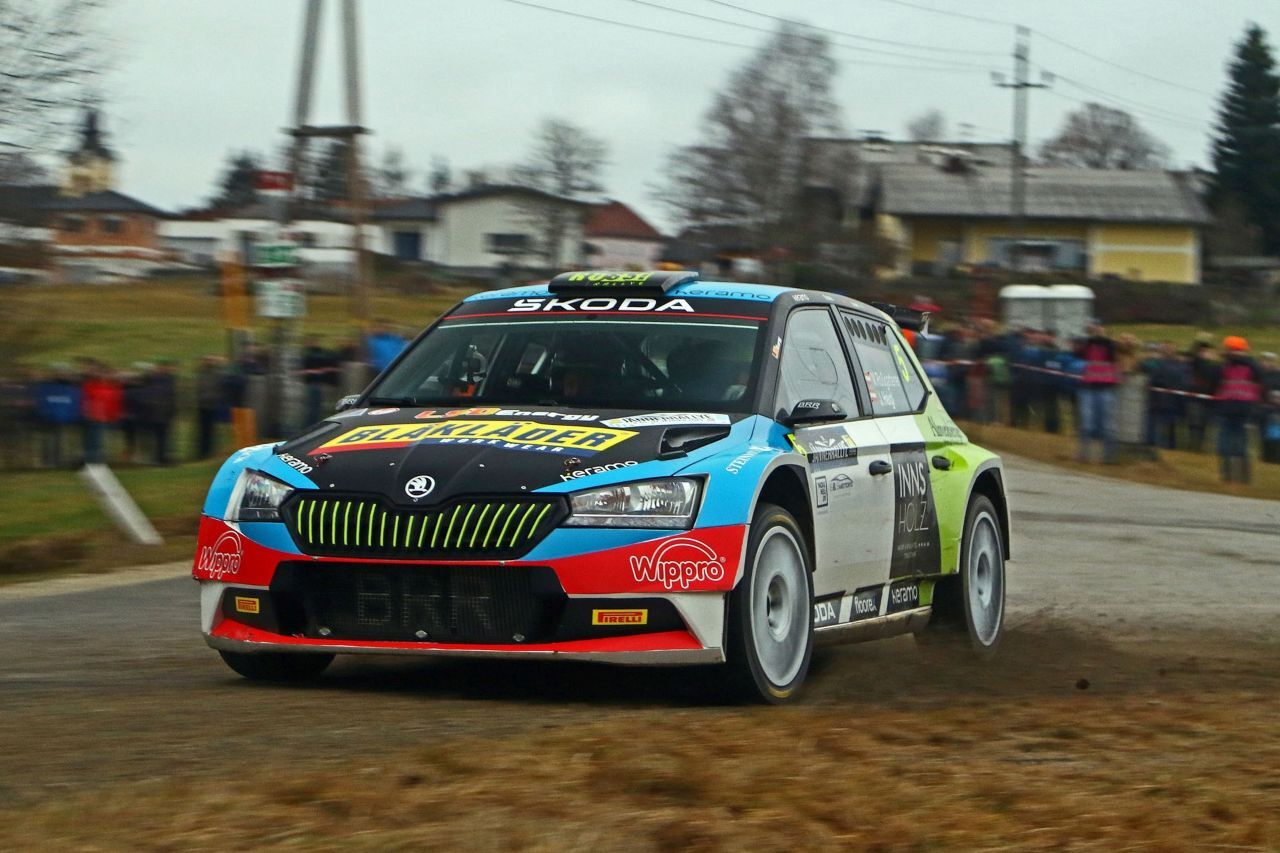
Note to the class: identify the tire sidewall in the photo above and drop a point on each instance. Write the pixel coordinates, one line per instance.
(981, 507)
(742, 641)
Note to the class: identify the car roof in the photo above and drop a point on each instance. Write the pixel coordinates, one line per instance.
(706, 289)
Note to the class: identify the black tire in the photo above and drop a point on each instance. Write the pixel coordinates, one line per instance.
(764, 665)
(278, 666)
(968, 607)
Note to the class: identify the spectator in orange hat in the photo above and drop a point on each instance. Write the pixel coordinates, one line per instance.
(1237, 397)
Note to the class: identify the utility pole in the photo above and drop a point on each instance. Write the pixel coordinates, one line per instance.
(302, 131)
(1018, 164)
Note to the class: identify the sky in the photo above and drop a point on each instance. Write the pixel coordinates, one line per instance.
(469, 80)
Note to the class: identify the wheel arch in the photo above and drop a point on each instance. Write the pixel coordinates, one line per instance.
(990, 482)
(786, 486)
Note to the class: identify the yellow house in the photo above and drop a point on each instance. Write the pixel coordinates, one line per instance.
(1144, 226)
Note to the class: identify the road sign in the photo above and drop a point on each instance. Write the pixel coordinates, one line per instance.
(275, 254)
(281, 298)
(272, 182)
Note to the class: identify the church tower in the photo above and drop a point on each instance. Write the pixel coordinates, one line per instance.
(91, 167)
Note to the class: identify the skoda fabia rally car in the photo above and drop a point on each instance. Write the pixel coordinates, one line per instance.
(633, 468)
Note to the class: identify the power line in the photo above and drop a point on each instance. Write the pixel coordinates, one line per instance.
(1152, 111)
(856, 36)
(965, 15)
(952, 68)
(937, 61)
(1059, 42)
(1105, 61)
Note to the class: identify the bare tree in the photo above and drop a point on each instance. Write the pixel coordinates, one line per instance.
(564, 165)
(50, 51)
(440, 178)
(393, 173)
(748, 169)
(929, 126)
(1100, 137)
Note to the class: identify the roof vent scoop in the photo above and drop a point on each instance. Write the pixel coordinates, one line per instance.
(594, 281)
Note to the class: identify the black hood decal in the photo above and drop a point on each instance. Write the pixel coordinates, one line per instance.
(421, 457)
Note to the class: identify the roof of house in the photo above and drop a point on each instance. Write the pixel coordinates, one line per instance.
(488, 190)
(407, 209)
(615, 219)
(107, 201)
(24, 203)
(1099, 195)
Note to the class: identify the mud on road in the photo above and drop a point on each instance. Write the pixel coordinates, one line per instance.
(1135, 705)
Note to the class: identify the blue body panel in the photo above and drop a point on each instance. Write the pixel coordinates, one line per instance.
(704, 289)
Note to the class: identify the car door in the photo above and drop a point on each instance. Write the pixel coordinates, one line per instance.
(897, 395)
(850, 488)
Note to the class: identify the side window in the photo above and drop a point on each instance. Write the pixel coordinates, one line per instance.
(813, 363)
(893, 385)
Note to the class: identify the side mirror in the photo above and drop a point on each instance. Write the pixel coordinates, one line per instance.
(347, 402)
(814, 411)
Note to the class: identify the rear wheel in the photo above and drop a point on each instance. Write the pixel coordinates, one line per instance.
(770, 636)
(277, 666)
(968, 609)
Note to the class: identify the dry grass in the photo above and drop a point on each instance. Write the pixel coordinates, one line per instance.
(1171, 468)
(1074, 772)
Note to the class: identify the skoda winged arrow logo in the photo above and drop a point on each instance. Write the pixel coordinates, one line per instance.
(419, 487)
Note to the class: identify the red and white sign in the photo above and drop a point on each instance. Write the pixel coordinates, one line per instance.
(272, 182)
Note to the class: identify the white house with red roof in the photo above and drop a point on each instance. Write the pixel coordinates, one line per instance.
(619, 238)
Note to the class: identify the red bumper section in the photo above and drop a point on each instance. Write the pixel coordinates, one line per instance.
(702, 560)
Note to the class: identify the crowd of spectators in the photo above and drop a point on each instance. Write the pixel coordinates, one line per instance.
(70, 414)
(1028, 377)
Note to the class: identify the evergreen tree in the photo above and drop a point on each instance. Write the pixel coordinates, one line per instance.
(1246, 150)
(236, 188)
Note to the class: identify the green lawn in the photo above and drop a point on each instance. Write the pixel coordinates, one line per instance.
(1261, 338)
(181, 319)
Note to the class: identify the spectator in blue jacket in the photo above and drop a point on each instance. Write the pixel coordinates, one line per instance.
(57, 408)
(382, 345)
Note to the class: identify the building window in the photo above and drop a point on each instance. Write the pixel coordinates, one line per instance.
(73, 224)
(507, 244)
(112, 225)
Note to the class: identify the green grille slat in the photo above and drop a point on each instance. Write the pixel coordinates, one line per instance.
(492, 524)
(465, 521)
(538, 520)
(408, 533)
(423, 532)
(301, 504)
(395, 532)
(449, 530)
(382, 531)
(346, 523)
(515, 536)
(514, 509)
(324, 507)
(479, 522)
(333, 526)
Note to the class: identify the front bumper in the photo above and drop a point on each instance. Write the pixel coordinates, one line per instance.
(654, 601)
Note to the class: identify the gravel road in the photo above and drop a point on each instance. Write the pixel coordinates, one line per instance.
(105, 679)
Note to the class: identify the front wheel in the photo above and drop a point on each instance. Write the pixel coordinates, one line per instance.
(969, 609)
(770, 636)
(277, 666)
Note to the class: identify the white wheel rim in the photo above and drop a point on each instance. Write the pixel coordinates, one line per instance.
(985, 579)
(779, 606)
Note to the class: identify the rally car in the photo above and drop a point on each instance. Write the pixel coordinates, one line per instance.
(634, 468)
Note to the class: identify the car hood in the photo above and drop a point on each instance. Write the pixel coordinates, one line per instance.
(422, 457)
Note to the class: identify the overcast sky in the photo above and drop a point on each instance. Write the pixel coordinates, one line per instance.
(469, 79)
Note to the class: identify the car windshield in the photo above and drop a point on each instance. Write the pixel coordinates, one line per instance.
(685, 365)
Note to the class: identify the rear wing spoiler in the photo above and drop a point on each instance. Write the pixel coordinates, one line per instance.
(906, 318)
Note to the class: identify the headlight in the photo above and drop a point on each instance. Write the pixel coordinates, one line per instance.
(262, 498)
(669, 504)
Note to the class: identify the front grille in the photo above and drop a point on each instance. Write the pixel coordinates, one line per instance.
(466, 528)
(437, 604)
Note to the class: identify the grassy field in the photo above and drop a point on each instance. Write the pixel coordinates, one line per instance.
(51, 522)
(1261, 338)
(181, 320)
(1197, 472)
